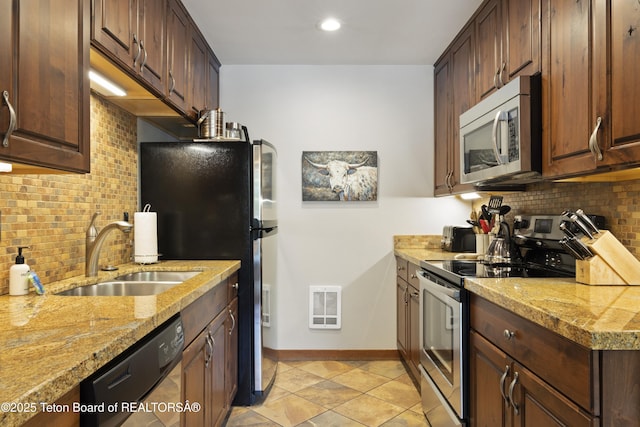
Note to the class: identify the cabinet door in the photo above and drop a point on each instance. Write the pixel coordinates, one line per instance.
(567, 86)
(49, 91)
(152, 34)
(624, 89)
(442, 122)
(402, 326)
(195, 379)
(177, 55)
(488, 59)
(490, 369)
(414, 329)
(536, 403)
(114, 28)
(462, 96)
(213, 82)
(522, 40)
(231, 358)
(218, 400)
(198, 73)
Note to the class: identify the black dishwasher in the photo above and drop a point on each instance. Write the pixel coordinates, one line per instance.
(111, 394)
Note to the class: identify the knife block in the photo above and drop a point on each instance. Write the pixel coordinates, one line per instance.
(612, 263)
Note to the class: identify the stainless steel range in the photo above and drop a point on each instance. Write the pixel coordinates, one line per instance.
(444, 310)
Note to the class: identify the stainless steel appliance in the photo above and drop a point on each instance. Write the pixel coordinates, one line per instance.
(444, 312)
(150, 371)
(500, 137)
(217, 200)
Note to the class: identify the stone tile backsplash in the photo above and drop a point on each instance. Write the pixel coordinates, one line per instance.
(50, 213)
(616, 201)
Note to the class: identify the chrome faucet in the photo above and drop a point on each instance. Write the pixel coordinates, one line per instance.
(94, 241)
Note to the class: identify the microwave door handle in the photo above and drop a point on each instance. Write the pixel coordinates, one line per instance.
(501, 116)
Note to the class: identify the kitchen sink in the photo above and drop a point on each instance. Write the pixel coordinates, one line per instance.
(157, 276)
(133, 284)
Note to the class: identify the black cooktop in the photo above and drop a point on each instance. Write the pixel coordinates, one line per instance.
(456, 270)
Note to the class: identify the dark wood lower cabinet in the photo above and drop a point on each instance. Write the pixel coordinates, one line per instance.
(210, 360)
(505, 393)
(524, 375)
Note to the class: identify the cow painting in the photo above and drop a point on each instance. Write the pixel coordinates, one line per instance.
(352, 178)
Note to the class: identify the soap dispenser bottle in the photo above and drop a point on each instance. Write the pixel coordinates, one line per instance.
(19, 275)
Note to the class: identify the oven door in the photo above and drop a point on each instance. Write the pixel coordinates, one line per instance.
(441, 340)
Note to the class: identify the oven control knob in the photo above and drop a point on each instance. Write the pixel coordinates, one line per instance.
(508, 334)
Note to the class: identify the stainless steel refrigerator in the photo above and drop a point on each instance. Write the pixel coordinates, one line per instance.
(217, 200)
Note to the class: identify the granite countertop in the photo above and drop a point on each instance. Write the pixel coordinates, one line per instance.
(50, 343)
(597, 317)
(417, 248)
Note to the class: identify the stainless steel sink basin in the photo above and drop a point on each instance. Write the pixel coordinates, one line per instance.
(133, 284)
(158, 276)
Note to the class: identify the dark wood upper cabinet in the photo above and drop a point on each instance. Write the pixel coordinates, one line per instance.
(44, 72)
(488, 58)
(178, 28)
(567, 88)
(508, 41)
(133, 32)
(198, 73)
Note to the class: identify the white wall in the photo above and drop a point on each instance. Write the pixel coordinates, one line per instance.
(313, 108)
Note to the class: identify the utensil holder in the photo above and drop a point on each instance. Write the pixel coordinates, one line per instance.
(612, 263)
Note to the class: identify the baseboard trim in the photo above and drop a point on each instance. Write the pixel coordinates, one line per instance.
(304, 355)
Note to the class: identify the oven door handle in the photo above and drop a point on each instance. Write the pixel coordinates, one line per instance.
(438, 289)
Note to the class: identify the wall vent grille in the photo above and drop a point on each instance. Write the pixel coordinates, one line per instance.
(325, 307)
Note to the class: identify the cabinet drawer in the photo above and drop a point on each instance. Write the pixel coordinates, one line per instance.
(232, 286)
(402, 268)
(567, 366)
(199, 313)
(412, 275)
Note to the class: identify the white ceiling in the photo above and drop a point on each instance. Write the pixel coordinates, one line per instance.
(374, 32)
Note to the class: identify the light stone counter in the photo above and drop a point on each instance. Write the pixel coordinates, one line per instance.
(417, 248)
(50, 343)
(597, 317)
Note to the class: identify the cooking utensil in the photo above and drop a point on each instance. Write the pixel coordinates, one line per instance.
(587, 221)
(494, 204)
(211, 123)
(564, 242)
(504, 209)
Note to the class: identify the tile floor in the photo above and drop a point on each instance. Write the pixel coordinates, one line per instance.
(336, 393)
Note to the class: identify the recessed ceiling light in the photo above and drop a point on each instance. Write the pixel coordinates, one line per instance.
(330, 24)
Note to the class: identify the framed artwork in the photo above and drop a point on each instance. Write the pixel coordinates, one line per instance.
(339, 176)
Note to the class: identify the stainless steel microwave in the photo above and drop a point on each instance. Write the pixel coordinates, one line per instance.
(501, 136)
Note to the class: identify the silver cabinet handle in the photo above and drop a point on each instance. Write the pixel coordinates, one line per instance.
(508, 334)
(144, 58)
(405, 295)
(413, 276)
(12, 119)
(593, 141)
(401, 268)
(503, 379)
(236, 286)
(135, 58)
(500, 70)
(233, 319)
(516, 409)
(173, 82)
(210, 348)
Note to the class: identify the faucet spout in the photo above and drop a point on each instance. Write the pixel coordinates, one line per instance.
(94, 244)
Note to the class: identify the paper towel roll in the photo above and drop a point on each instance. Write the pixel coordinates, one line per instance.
(145, 235)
